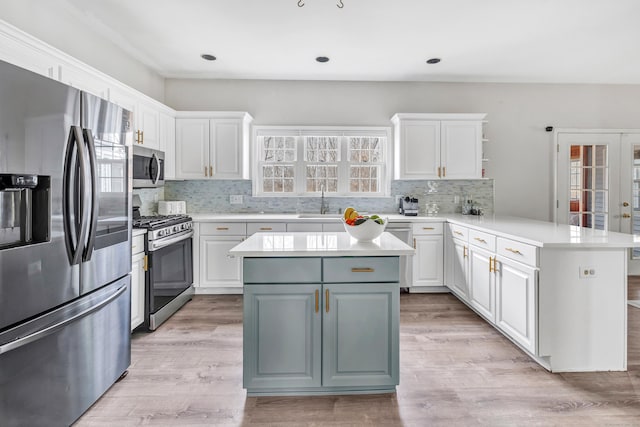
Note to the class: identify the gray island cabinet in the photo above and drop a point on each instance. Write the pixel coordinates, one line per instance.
(321, 320)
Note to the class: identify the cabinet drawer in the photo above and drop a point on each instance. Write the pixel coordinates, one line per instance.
(482, 240)
(361, 269)
(518, 251)
(223, 228)
(255, 227)
(333, 227)
(459, 232)
(282, 270)
(421, 228)
(137, 244)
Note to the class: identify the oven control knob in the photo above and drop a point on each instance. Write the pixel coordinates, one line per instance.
(160, 233)
(176, 228)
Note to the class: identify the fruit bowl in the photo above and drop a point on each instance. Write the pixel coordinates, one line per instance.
(366, 231)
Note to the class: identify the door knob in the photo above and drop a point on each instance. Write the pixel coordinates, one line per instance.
(626, 215)
(625, 204)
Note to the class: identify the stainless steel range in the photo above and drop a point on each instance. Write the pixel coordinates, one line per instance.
(169, 274)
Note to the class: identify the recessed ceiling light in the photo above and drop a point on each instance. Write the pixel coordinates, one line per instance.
(208, 57)
(433, 60)
(322, 59)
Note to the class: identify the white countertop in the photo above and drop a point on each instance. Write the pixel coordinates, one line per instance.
(318, 244)
(138, 231)
(537, 233)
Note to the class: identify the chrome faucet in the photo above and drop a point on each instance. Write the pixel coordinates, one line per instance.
(324, 206)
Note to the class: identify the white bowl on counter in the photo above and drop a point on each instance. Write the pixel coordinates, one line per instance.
(367, 231)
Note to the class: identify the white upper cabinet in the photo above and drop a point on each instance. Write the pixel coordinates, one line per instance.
(437, 146)
(212, 145)
(147, 126)
(167, 138)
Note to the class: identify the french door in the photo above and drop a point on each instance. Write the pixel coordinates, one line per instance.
(598, 182)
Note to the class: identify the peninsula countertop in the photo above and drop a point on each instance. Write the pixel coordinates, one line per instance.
(326, 244)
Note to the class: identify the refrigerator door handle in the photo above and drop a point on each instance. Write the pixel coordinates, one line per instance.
(20, 342)
(74, 155)
(154, 159)
(93, 220)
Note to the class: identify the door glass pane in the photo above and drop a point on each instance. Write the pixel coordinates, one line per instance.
(588, 172)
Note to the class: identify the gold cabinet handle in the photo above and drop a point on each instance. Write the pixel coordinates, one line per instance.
(414, 243)
(326, 299)
(145, 264)
(480, 240)
(458, 233)
(362, 270)
(210, 170)
(626, 215)
(444, 171)
(491, 270)
(515, 251)
(464, 252)
(438, 171)
(222, 228)
(205, 171)
(142, 136)
(428, 228)
(625, 204)
(317, 300)
(266, 228)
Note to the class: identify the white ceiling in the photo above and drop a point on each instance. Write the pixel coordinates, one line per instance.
(564, 41)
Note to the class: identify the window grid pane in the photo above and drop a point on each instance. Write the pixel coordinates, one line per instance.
(322, 149)
(589, 186)
(278, 179)
(318, 176)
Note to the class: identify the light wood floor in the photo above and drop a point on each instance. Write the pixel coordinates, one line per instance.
(455, 370)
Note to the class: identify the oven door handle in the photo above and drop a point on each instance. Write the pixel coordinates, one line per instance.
(155, 245)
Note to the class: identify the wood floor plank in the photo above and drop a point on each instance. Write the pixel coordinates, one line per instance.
(456, 370)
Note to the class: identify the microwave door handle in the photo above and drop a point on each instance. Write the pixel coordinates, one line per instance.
(93, 220)
(154, 159)
(69, 196)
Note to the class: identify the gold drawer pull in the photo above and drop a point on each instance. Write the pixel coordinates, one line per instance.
(515, 251)
(326, 298)
(458, 233)
(480, 240)
(133, 247)
(222, 228)
(266, 228)
(145, 265)
(362, 270)
(317, 300)
(428, 228)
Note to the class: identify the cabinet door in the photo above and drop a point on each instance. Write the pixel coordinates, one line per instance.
(360, 334)
(137, 289)
(192, 148)
(282, 328)
(167, 136)
(461, 145)
(428, 261)
(149, 124)
(482, 282)
(419, 149)
(216, 268)
(226, 148)
(458, 269)
(516, 302)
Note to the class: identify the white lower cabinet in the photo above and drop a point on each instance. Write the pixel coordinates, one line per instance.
(516, 301)
(457, 268)
(138, 269)
(428, 261)
(217, 269)
(482, 282)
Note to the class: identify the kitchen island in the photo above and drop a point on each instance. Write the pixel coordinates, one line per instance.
(321, 313)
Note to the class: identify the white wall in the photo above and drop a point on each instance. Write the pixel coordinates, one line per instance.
(55, 23)
(520, 150)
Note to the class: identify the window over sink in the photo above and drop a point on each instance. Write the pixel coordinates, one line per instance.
(306, 161)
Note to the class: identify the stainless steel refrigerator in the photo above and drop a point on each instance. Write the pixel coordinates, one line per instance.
(65, 256)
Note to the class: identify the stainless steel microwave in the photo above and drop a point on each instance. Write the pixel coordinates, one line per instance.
(148, 168)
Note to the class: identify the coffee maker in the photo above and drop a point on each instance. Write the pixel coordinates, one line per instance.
(408, 206)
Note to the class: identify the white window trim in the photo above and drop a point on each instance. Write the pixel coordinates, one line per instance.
(342, 131)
